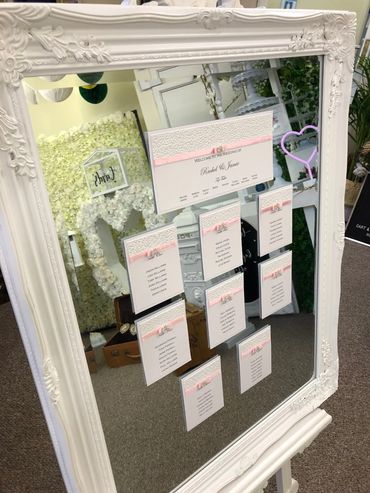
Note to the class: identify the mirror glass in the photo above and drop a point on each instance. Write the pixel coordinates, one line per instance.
(92, 136)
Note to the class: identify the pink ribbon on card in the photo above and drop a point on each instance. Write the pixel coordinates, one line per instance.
(225, 297)
(256, 348)
(276, 207)
(277, 273)
(163, 329)
(184, 156)
(153, 252)
(203, 382)
(220, 227)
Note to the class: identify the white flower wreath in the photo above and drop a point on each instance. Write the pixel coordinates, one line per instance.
(115, 211)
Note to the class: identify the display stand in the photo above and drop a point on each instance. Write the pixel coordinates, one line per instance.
(276, 461)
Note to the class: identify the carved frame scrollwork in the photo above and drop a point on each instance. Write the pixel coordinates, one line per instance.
(57, 39)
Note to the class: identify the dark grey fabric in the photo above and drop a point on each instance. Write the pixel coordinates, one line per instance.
(27, 460)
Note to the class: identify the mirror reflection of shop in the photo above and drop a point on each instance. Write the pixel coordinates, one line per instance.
(100, 184)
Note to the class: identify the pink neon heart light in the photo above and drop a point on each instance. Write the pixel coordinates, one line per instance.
(305, 162)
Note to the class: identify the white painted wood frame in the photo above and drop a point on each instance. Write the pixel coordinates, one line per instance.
(41, 39)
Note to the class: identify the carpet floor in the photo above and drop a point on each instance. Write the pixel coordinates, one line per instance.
(27, 460)
(336, 462)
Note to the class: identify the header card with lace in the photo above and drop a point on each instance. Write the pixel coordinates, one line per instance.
(210, 159)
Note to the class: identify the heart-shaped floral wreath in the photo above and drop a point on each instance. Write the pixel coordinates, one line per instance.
(115, 211)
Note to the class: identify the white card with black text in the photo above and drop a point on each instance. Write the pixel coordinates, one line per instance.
(274, 219)
(154, 269)
(202, 392)
(221, 241)
(225, 310)
(254, 358)
(275, 279)
(164, 341)
(210, 159)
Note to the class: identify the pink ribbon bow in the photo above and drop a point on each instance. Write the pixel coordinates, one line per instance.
(153, 252)
(163, 329)
(277, 273)
(276, 207)
(256, 348)
(184, 156)
(219, 227)
(204, 382)
(225, 297)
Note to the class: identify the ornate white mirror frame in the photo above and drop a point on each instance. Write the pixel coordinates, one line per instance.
(42, 39)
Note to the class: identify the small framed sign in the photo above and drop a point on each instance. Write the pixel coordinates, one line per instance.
(358, 226)
(105, 172)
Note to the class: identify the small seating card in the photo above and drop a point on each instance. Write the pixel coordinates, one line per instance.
(210, 159)
(220, 240)
(154, 269)
(163, 341)
(274, 219)
(202, 392)
(225, 310)
(254, 358)
(275, 278)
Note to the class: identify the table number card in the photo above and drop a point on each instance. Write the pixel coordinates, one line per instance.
(163, 341)
(202, 392)
(254, 358)
(274, 219)
(275, 278)
(154, 269)
(225, 310)
(210, 159)
(221, 242)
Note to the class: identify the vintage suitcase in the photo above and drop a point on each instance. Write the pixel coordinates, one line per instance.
(123, 349)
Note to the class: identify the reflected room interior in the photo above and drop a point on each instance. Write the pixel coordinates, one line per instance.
(91, 132)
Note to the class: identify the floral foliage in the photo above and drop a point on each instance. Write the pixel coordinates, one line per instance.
(62, 157)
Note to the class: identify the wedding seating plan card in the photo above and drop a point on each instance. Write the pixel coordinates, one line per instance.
(210, 159)
(202, 392)
(154, 269)
(163, 341)
(275, 278)
(274, 219)
(221, 241)
(225, 310)
(254, 358)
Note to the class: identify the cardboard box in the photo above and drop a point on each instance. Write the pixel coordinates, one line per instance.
(198, 339)
(91, 360)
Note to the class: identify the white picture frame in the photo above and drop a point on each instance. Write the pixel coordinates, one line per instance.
(104, 177)
(45, 39)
